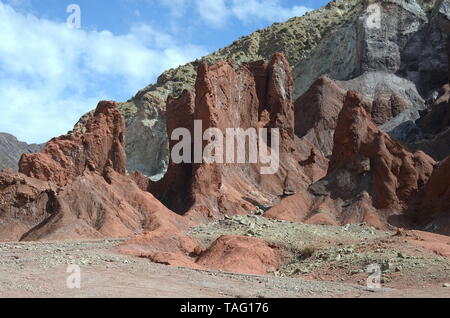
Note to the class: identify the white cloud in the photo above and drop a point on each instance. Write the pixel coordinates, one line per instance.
(19, 3)
(213, 12)
(269, 10)
(177, 7)
(50, 74)
(217, 12)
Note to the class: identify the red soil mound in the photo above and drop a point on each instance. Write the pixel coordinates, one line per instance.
(242, 255)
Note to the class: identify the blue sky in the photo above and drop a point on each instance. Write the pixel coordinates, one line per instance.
(51, 74)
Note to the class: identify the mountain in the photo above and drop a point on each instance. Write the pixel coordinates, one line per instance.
(11, 149)
(361, 103)
(406, 57)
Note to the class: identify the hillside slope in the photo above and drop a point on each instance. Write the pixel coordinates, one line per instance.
(11, 149)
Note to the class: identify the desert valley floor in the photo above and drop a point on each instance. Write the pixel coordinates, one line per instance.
(415, 265)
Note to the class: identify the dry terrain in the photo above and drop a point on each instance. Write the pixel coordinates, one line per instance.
(332, 265)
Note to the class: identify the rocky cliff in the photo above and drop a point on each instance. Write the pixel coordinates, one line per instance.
(257, 95)
(77, 186)
(65, 158)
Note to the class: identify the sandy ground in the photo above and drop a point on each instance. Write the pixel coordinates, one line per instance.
(40, 270)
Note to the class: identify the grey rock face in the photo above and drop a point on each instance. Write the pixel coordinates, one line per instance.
(425, 62)
(336, 56)
(391, 47)
(147, 145)
(425, 59)
(437, 146)
(382, 84)
(375, 83)
(442, 14)
(384, 29)
(395, 126)
(407, 132)
(373, 41)
(11, 150)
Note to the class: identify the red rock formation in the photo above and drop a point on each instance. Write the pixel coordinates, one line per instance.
(371, 177)
(434, 211)
(255, 95)
(316, 113)
(79, 189)
(67, 157)
(360, 147)
(24, 203)
(252, 96)
(386, 107)
(90, 207)
(280, 86)
(174, 192)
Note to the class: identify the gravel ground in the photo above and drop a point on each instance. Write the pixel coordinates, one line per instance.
(39, 270)
(340, 254)
(320, 262)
